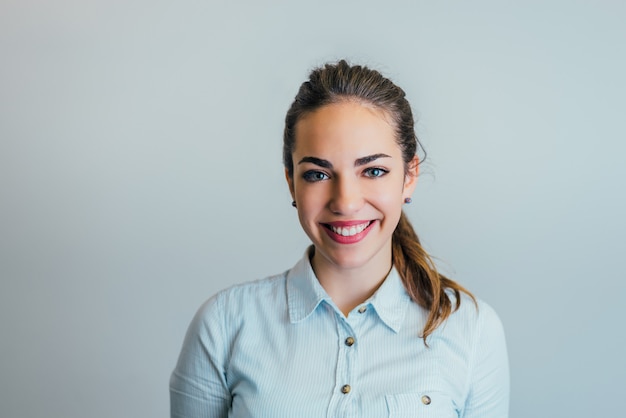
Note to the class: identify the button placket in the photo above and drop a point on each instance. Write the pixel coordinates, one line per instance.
(347, 361)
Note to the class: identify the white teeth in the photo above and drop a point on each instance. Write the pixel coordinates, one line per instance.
(349, 231)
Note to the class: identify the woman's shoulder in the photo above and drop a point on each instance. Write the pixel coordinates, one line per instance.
(251, 288)
(473, 314)
(242, 298)
(469, 305)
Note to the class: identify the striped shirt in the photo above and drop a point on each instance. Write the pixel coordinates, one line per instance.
(279, 347)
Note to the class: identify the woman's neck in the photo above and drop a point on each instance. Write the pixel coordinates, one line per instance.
(349, 287)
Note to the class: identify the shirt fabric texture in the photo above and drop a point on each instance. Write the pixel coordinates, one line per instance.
(279, 347)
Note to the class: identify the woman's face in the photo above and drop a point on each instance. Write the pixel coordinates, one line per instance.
(349, 184)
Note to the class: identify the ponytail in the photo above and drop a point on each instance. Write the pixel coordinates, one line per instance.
(424, 284)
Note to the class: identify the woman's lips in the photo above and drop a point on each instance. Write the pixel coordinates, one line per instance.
(348, 232)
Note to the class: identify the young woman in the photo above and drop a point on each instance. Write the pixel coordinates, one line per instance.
(363, 325)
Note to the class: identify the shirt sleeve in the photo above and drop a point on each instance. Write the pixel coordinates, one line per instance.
(489, 382)
(198, 385)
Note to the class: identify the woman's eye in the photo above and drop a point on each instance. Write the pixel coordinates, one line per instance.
(313, 176)
(375, 172)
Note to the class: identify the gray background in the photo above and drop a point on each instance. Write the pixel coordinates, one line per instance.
(140, 172)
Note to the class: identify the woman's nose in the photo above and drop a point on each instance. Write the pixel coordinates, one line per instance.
(347, 197)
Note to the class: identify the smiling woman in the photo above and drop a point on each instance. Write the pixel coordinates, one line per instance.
(363, 325)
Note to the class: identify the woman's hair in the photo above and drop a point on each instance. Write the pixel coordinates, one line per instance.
(341, 82)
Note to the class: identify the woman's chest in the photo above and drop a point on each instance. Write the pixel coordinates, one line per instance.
(339, 370)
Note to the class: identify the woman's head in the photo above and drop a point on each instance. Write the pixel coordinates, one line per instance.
(350, 164)
(334, 83)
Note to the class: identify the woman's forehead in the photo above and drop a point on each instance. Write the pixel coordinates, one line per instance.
(346, 127)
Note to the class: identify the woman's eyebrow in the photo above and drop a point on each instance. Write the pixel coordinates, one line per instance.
(368, 159)
(316, 161)
(358, 162)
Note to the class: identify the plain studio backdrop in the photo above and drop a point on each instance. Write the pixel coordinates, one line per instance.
(140, 172)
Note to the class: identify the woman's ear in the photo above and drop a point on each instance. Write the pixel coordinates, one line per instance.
(290, 184)
(410, 179)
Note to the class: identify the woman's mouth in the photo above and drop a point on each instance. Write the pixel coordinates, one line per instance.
(348, 232)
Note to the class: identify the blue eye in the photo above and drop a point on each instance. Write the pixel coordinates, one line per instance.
(375, 172)
(314, 176)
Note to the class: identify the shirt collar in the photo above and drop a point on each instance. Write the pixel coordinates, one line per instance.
(390, 301)
(305, 293)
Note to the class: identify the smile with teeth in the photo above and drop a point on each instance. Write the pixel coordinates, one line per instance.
(349, 231)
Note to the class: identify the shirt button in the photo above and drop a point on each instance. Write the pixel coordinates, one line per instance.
(426, 400)
(362, 309)
(349, 341)
(345, 389)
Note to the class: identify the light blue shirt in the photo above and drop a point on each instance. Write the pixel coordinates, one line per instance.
(280, 348)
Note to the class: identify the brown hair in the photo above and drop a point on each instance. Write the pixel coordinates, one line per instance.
(338, 82)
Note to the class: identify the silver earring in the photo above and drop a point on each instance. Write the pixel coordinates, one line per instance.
(408, 200)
